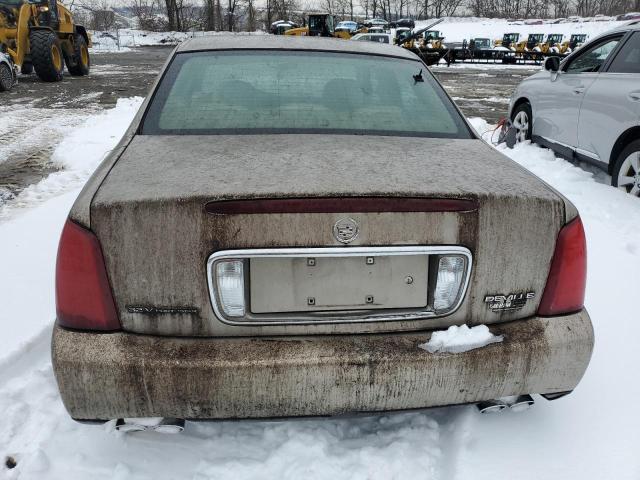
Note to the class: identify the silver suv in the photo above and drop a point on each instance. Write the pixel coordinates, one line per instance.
(587, 107)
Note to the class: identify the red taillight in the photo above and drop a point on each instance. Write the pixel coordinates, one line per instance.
(567, 279)
(83, 294)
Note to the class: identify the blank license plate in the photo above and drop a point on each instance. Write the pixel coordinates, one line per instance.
(304, 284)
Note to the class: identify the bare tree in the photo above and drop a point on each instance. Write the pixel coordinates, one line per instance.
(99, 13)
(364, 5)
(209, 20)
(145, 13)
(251, 16)
(171, 14)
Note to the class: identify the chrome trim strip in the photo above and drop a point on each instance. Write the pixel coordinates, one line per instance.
(587, 153)
(360, 316)
(575, 150)
(556, 142)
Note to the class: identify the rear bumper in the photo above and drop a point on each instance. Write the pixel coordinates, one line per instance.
(105, 376)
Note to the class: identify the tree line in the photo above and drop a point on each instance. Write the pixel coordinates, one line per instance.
(248, 15)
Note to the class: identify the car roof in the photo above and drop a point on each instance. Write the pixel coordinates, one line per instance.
(632, 25)
(283, 42)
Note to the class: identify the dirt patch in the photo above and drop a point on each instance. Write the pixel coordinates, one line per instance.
(35, 115)
(483, 91)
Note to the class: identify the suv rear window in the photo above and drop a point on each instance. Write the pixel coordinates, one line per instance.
(234, 92)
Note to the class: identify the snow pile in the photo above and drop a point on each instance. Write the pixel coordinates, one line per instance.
(78, 154)
(125, 39)
(460, 339)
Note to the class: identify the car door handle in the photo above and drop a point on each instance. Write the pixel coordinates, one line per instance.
(634, 96)
(578, 90)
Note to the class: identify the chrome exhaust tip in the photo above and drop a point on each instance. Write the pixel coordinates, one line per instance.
(522, 403)
(170, 426)
(123, 426)
(491, 406)
(161, 425)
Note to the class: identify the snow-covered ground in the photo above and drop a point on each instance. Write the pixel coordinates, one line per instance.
(592, 434)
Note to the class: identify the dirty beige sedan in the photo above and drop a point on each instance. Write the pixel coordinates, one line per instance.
(285, 222)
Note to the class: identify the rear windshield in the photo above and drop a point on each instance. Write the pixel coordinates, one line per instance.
(235, 92)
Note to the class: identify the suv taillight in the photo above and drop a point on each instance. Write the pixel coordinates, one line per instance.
(567, 279)
(83, 294)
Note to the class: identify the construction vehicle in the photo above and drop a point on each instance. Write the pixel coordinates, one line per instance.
(409, 41)
(575, 42)
(430, 55)
(319, 24)
(401, 33)
(552, 44)
(41, 35)
(509, 41)
(531, 44)
(432, 39)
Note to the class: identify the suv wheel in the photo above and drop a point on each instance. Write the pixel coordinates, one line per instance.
(626, 172)
(522, 120)
(6, 77)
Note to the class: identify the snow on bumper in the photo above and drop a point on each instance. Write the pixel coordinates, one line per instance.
(104, 376)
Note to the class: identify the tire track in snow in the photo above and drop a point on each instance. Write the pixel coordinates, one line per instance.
(36, 351)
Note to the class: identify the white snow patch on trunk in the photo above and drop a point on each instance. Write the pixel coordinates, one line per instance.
(460, 339)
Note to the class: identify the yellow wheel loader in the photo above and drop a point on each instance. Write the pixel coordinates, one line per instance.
(552, 44)
(319, 25)
(509, 41)
(575, 42)
(531, 44)
(41, 35)
(432, 39)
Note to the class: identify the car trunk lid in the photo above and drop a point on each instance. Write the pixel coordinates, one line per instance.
(160, 215)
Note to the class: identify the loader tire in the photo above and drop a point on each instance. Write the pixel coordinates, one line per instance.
(79, 63)
(46, 55)
(26, 68)
(6, 77)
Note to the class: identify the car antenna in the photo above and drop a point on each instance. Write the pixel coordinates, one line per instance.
(418, 78)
